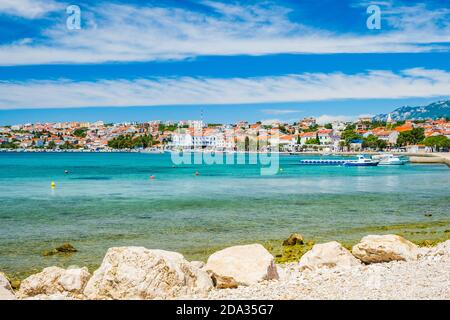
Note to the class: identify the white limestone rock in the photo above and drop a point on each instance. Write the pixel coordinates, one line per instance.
(385, 248)
(55, 281)
(329, 255)
(6, 292)
(139, 273)
(442, 249)
(246, 265)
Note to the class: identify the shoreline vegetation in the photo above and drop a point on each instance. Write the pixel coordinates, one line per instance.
(251, 271)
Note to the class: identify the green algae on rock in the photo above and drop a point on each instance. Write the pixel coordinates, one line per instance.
(65, 248)
(295, 238)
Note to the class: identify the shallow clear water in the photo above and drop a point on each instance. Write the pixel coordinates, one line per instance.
(108, 200)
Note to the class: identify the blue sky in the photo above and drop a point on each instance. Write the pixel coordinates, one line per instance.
(251, 60)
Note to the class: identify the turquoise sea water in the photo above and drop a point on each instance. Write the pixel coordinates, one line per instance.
(108, 200)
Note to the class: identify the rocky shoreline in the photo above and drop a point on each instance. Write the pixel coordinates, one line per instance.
(378, 267)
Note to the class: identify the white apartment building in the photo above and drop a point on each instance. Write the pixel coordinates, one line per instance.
(182, 140)
(388, 136)
(306, 136)
(338, 126)
(325, 136)
(206, 141)
(216, 140)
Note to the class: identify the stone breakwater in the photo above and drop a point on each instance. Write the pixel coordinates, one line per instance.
(378, 267)
(430, 158)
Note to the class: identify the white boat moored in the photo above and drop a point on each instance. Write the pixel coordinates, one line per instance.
(362, 161)
(390, 160)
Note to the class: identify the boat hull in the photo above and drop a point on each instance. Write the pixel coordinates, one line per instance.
(358, 164)
(323, 162)
(392, 163)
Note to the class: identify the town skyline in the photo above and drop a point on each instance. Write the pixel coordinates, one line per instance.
(305, 134)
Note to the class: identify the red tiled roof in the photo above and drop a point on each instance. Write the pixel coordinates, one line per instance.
(308, 134)
(403, 128)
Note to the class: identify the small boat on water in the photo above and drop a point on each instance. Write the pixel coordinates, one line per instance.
(390, 160)
(362, 161)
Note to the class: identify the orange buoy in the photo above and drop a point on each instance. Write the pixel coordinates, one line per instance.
(196, 173)
(152, 177)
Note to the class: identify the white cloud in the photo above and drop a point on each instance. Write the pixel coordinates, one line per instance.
(417, 17)
(30, 9)
(280, 111)
(325, 118)
(190, 90)
(269, 122)
(118, 33)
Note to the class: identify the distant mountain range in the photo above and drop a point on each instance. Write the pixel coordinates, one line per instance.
(434, 110)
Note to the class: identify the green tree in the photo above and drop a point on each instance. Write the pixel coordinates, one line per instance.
(129, 142)
(67, 146)
(8, 145)
(162, 127)
(374, 143)
(437, 142)
(404, 138)
(413, 136)
(121, 142)
(247, 143)
(348, 135)
(283, 129)
(312, 128)
(350, 127)
(377, 124)
(328, 126)
(311, 141)
(51, 145)
(381, 144)
(370, 142)
(143, 141)
(418, 134)
(316, 140)
(398, 124)
(81, 132)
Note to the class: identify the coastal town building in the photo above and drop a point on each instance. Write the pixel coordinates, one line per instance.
(389, 136)
(363, 123)
(307, 134)
(305, 123)
(408, 126)
(324, 136)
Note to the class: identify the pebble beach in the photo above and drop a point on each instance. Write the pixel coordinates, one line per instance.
(427, 278)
